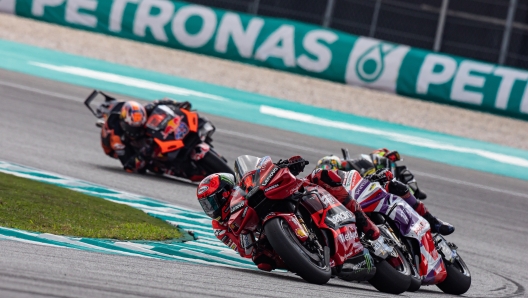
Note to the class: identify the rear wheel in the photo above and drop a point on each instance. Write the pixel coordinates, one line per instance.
(312, 266)
(406, 276)
(416, 283)
(458, 278)
(393, 275)
(212, 163)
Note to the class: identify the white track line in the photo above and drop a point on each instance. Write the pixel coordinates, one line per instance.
(41, 91)
(275, 142)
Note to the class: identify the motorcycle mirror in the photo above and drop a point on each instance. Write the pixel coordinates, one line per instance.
(406, 176)
(393, 156)
(346, 155)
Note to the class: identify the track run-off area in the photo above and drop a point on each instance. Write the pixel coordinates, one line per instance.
(45, 126)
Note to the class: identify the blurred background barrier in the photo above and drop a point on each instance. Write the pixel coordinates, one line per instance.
(323, 52)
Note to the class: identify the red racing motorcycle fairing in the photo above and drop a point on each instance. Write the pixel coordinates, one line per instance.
(329, 214)
(277, 183)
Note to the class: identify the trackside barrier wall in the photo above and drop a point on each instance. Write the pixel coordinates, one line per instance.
(295, 47)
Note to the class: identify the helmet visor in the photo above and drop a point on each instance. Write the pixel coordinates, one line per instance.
(211, 206)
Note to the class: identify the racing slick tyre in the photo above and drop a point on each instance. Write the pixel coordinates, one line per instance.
(297, 257)
(458, 278)
(213, 163)
(416, 283)
(390, 280)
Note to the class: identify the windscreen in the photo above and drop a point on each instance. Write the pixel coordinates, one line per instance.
(160, 117)
(244, 164)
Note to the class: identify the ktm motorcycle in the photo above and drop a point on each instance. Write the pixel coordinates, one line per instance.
(367, 164)
(306, 227)
(431, 259)
(180, 140)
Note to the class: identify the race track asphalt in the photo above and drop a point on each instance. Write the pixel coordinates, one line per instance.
(43, 124)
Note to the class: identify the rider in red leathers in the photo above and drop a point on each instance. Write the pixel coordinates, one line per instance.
(215, 192)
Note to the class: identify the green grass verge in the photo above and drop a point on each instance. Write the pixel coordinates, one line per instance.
(40, 207)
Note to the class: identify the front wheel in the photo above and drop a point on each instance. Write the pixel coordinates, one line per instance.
(458, 278)
(212, 163)
(311, 266)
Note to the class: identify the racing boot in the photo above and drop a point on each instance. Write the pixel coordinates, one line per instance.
(418, 193)
(437, 226)
(402, 190)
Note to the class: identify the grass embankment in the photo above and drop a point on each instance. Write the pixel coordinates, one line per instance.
(35, 206)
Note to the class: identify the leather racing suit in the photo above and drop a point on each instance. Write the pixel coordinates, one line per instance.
(264, 258)
(134, 154)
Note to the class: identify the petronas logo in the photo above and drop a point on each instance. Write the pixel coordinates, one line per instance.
(370, 65)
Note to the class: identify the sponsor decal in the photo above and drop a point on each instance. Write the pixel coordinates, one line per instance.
(375, 64)
(359, 265)
(327, 200)
(341, 217)
(348, 178)
(232, 245)
(348, 236)
(349, 254)
(271, 187)
(202, 189)
(237, 207)
(244, 213)
(181, 131)
(270, 176)
(361, 186)
(245, 241)
(219, 233)
(233, 226)
(118, 146)
(301, 233)
(419, 228)
(356, 177)
(171, 127)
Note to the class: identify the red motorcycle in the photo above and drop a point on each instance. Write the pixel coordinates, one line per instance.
(181, 140)
(306, 227)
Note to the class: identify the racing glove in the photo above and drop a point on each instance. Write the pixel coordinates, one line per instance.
(366, 226)
(138, 162)
(296, 164)
(135, 164)
(398, 188)
(382, 176)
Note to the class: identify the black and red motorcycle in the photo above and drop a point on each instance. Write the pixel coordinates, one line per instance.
(306, 227)
(180, 139)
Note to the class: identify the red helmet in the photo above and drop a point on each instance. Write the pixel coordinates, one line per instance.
(133, 118)
(213, 193)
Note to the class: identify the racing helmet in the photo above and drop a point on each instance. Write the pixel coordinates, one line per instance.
(329, 162)
(213, 193)
(133, 118)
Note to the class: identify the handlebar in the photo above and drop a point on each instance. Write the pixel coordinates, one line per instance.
(285, 163)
